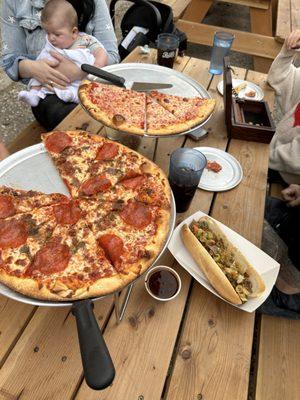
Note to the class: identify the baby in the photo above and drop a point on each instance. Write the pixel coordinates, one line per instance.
(59, 20)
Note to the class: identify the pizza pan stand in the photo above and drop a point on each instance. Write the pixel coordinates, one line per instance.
(182, 86)
(32, 168)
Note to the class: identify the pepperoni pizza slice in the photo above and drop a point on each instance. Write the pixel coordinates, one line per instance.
(115, 107)
(190, 111)
(21, 237)
(16, 201)
(71, 265)
(72, 153)
(131, 234)
(51, 253)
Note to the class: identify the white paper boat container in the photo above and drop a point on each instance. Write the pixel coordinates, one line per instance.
(266, 266)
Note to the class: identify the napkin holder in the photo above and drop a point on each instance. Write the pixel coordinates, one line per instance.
(245, 119)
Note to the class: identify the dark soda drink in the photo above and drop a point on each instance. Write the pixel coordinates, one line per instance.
(186, 167)
(166, 58)
(183, 195)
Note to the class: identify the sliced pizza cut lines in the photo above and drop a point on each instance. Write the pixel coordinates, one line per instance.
(151, 114)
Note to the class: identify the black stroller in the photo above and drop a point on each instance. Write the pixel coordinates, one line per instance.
(141, 24)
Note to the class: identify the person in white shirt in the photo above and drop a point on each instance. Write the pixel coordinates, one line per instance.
(284, 77)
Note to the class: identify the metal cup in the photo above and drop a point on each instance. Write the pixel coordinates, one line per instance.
(186, 167)
(167, 47)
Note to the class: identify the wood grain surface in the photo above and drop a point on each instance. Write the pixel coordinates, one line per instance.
(278, 360)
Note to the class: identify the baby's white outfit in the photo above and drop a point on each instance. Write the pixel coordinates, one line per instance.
(80, 53)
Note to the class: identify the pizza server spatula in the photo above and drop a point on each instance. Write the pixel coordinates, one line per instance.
(122, 82)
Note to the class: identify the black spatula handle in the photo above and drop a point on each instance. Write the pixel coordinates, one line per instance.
(98, 367)
(115, 79)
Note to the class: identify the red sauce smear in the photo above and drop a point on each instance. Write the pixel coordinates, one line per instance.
(213, 166)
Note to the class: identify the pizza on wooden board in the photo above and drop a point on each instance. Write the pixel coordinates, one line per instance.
(139, 113)
(102, 237)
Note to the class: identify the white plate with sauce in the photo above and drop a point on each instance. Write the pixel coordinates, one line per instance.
(227, 178)
(259, 93)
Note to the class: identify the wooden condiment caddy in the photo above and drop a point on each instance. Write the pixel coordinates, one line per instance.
(245, 119)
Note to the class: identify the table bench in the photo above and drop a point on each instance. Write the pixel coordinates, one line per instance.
(194, 347)
(288, 18)
(260, 42)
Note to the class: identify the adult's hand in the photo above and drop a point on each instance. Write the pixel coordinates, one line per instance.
(67, 67)
(293, 41)
(44, 71)
(292, 195)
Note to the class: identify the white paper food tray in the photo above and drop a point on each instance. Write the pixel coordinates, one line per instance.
(266, 266)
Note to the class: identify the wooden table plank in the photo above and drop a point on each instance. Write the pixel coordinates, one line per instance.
(14, 317)
(283, 23)
(295, 15)
(262, 4)
(279, 359)
(212, 362)
(245, 42)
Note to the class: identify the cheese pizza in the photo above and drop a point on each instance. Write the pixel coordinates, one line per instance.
(139, 113)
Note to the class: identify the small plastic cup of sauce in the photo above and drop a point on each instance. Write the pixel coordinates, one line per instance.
(163, 283)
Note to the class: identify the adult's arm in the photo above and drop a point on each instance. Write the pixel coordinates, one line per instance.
(104, 31)
(14, 42)
(15, 60)
(284, 77)
(284, 157)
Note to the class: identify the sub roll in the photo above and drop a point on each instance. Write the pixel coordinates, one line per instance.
(224, 266)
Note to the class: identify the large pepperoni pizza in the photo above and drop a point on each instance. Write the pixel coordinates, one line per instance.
(140, 113)
(107, 233)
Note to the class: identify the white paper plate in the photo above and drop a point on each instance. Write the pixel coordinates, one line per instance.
(230, 175)
(250, 86)
(262, 262)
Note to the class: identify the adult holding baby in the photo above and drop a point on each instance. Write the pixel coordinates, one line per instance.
(24, 38)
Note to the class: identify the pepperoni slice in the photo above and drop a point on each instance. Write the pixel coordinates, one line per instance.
(107, 152)
(113, 247)
(58, 141)
(95, 184)
(13, 233)
(53, 257)
(136, 214)
(7, 208)
(67, 213)
(133, 183)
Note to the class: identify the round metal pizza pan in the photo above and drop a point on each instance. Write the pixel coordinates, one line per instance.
(32, 168)
(139, 72)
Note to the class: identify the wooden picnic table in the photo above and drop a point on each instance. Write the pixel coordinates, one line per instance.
(260, 42)
(194, 347)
